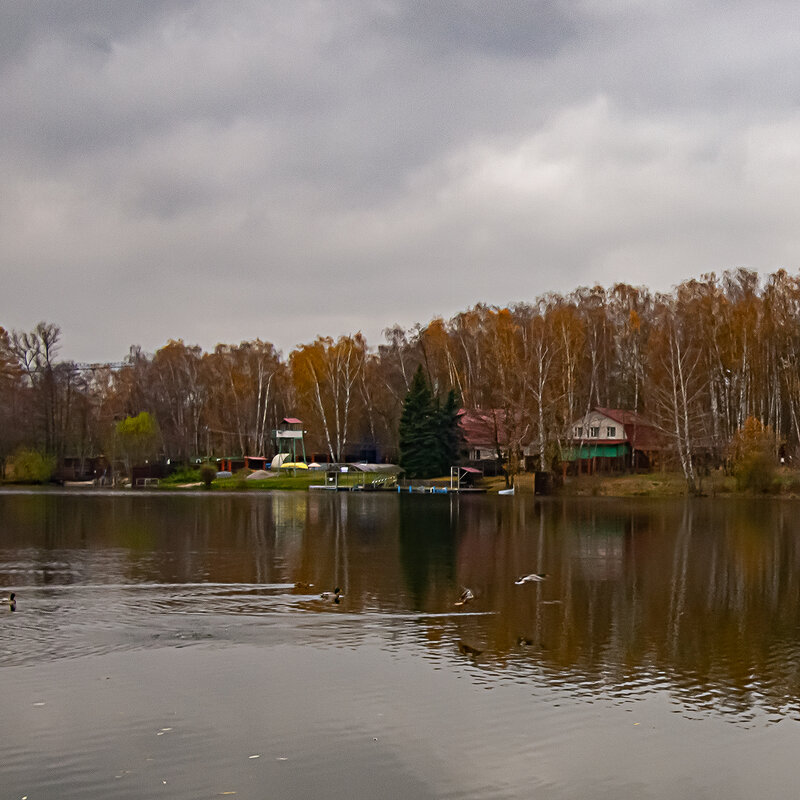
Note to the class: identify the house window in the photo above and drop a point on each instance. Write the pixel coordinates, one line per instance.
(611, 432)
(594, 432)
(578, 432)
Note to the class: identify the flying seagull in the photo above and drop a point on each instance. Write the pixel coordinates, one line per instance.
(466, 596)
(534, 577)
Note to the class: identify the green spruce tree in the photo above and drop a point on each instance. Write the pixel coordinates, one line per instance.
(450, 438)
(430, 439)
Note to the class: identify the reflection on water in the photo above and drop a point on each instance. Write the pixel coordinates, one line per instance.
(692, 603)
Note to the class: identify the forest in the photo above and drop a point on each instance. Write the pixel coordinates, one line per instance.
(698, 361)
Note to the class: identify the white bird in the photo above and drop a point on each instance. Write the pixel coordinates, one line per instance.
(466, 596)
(534, 577)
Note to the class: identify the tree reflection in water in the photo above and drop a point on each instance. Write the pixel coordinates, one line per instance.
(697, 597)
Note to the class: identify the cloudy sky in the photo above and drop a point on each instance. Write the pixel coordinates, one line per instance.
(260, 168)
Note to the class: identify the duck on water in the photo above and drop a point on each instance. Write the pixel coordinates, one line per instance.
(332, 597)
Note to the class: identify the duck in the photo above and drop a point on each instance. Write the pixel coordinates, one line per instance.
(468, 649)
(303, 586)
(534, 577)
(332, 597)
(12, 601)
(466, 596)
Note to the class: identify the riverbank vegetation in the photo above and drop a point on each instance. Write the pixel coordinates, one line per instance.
(699, 362)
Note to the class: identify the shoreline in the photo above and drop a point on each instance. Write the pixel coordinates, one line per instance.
(653, 485)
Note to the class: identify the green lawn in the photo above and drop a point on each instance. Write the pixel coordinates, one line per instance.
(280, 482)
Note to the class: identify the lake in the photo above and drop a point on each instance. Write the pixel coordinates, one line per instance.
(176, 646)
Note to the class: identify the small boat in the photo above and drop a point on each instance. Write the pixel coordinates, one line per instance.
(512, 490)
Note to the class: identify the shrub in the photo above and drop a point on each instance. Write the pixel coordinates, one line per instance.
(31, 466)
(792, 483)
(182, 475)
(207, 474)
(753, 449)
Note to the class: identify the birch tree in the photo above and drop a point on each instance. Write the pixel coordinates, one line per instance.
(676, 385)
(325, 376)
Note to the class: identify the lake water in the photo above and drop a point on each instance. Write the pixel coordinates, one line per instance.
(162, 647)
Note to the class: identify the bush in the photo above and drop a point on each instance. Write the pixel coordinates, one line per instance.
(792, 483)
(753, 451)
(207, 474)
(31, 466)
(181, 475)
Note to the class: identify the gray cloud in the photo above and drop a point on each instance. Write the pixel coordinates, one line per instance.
(288, 169)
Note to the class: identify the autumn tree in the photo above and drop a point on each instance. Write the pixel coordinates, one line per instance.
(630, 314)
(570, 335)
(12, 401)
(753, 456)
(326, 377)
(178, 393)
(138, 439)
(699, 361)
(35, 352)
(676, 385)
(243, 391)
(508, 389)
(541, 350)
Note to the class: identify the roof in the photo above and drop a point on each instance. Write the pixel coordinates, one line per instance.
(639, 431)
(483, 428)
(363, 466)
(292, 421)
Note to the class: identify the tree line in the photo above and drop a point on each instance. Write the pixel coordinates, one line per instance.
(698, 361)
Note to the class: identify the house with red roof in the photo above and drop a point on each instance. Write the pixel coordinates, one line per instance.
(485, 438)
(613, 439)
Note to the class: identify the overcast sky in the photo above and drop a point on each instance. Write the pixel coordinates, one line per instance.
(226, 171)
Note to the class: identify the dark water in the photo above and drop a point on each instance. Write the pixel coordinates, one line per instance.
(161, 648)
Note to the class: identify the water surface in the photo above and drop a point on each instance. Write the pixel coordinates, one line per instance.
(177, 646)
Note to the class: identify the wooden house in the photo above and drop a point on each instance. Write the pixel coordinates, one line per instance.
(608, 439)
(486, 438)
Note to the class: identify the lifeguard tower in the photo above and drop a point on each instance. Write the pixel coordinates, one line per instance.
(291, 431)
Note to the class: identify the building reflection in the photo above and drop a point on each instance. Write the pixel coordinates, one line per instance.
(701, 595)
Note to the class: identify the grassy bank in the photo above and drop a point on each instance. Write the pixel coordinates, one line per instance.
(785, 483)
(657, 484)
(278, 483)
